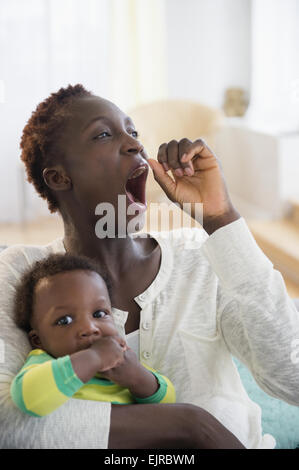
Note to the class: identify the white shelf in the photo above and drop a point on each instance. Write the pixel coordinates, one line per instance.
(261, 168)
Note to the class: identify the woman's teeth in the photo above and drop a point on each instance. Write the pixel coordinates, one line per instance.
(138, 172)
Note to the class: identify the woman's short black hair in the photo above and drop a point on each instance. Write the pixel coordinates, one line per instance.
(53, 264)
(41, 137)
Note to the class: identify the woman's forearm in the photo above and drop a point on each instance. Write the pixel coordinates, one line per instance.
(147, 427)
(162, 426)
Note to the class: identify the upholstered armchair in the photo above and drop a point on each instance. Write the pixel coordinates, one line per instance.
(162, 121)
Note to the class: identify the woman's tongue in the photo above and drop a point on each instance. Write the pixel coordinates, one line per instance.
(132, 197)
(135, 189)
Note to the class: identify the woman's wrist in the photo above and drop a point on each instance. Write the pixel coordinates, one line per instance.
(211, 224)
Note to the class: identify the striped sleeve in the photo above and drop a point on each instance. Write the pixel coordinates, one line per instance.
(165, 392)
(44, 383)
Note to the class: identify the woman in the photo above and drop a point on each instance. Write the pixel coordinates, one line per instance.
(193, 307)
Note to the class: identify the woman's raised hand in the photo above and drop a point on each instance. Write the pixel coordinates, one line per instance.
(197, 178)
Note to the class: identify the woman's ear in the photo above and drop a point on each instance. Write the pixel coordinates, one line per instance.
(57, 179)
(34, 339)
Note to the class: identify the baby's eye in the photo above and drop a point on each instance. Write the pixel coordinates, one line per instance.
(99, 314)
(66, 320)
(135, 134)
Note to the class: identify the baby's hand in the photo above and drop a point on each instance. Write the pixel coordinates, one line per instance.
(110, 352)
(124, 373)
(132, 375)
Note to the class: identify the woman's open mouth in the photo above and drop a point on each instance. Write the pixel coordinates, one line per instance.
(135, 186)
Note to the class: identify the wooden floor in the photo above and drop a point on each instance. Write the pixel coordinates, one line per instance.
(47, 229)
(38, 232)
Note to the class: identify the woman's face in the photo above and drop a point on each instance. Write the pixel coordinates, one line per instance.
(102, 152)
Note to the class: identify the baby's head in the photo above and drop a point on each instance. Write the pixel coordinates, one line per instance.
(63, 304)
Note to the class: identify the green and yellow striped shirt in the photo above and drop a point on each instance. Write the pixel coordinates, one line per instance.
(45, 383)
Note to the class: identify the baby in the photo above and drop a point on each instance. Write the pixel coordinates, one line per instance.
(63, 304)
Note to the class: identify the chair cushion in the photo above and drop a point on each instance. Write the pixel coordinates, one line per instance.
(278, 417)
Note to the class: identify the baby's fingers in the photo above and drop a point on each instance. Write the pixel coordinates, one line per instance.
(120, 341)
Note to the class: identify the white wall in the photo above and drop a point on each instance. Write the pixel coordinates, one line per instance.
(253, 44)
(275, 66)
(261, 169)
(208, 48)
(37, 58)
(21, 71)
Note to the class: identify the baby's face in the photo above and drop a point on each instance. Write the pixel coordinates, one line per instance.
(71, 310)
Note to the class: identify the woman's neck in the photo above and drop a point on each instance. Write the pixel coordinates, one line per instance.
(116, 254)
(131, 263)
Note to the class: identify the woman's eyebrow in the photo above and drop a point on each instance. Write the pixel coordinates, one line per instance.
(127, 120)
(97, 118)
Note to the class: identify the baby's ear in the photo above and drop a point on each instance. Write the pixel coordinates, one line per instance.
(34, 339)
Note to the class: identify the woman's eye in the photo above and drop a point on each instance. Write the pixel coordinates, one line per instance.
(102, 134)
(135, 134)
(99, 314)
(66, 320)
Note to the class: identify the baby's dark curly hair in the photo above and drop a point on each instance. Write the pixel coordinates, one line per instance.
(41, 136)
(53, 264)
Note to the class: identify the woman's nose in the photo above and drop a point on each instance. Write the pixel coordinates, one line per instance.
(131, 145)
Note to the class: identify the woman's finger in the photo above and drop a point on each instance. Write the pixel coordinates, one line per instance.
(173, 158)
(162, 156)
(198, 148)
(184, 146)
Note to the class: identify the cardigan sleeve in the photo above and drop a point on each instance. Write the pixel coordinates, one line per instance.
(257, 318)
